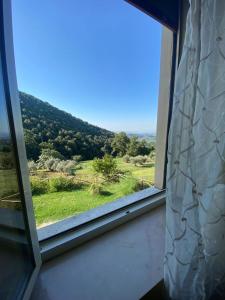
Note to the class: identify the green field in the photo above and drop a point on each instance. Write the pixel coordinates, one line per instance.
(52, 207)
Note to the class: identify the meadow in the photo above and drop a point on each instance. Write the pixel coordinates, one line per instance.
(55, 206)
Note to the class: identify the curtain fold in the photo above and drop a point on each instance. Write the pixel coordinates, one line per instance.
(195, 219)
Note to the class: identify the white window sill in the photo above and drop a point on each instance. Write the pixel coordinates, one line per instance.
(66, 234)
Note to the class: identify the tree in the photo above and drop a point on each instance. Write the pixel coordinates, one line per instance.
(133, 147)
(106, 166)
(48, 158)
(51, 163)
(107, 148)
(32, 146)
(120, 143)
(46, 145)
(144, 148)
(50, 153)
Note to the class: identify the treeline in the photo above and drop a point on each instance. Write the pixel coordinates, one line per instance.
(118, 146)
(48, 128)
(122, 145)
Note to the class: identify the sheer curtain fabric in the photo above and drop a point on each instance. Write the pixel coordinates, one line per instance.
(195, 226)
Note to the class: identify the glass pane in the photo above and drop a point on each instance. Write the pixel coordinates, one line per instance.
(16, 260)
(89, 97)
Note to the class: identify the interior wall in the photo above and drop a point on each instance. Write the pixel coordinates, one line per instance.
(124, 263)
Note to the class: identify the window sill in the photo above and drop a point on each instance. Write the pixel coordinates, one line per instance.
(71, 232)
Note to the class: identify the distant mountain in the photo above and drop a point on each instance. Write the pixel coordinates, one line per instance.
(48, 126)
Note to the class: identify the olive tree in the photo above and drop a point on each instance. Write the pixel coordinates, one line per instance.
(106, 166)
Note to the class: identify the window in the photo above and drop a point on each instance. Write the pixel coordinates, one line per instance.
(88, 84)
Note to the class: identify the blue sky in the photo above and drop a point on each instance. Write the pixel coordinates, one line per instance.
(97, 59)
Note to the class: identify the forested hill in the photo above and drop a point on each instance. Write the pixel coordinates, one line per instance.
(46, 126)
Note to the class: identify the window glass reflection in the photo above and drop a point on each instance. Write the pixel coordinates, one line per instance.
(15, 253)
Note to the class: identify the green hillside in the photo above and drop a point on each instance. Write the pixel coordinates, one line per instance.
(46, 126)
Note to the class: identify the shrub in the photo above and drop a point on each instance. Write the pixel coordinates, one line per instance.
(55, 164)
(51, 164)
(77, 158)
(141, 185)
(39, 186)
(47, 157)
(69, 167)
(32, 166)
(139, 159)
(60, 166)
(152, 156)
(126, 158)
(96, 188)
(58, 184)
(65, 166)
(106, 166)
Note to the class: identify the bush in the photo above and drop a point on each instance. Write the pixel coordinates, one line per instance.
(152, 156)
(32, 166)
(139, 160)
(59, 167)
(70, 167)
(51, 164)
(48, 157)
(126, 158)
(107, 167)
(96, 188)
(77, 158)
(58, 184)
(65, 166)
(141, 185)
(39, 186)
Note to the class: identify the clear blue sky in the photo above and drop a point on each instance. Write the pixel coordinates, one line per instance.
(97, 59)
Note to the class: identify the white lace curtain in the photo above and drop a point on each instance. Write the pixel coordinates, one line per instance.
(195, 225)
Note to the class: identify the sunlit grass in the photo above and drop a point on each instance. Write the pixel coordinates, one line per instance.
(52, 207)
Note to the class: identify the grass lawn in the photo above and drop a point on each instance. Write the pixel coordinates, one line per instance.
(140, 172)
(52, 207)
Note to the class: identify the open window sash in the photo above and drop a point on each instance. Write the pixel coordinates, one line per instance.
(20, 259)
